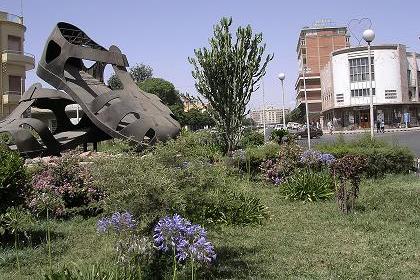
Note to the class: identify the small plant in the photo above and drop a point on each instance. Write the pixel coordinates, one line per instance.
(308, 185)
(15, 220)
(349, 170)
(186, 241)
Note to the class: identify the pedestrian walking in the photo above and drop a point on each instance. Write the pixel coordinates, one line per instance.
(382, 126)
(378, 126)
(329, 125)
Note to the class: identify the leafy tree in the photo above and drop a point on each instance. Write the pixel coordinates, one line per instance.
(139, 73)
(297, 115)
(197, 119)
(227, 73)
(162, 88)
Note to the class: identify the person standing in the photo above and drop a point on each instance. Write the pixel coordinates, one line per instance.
(378, 126)
(382, 126)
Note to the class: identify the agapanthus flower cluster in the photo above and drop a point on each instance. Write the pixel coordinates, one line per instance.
(118, 222)
(187, 241)
(316, 159)
(270, 172)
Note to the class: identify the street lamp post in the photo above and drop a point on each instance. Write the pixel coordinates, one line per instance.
(282, 76)
(369, 36)
(306, 105)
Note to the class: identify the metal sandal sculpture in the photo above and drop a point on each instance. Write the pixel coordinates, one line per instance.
(66, 135)
(128, 113)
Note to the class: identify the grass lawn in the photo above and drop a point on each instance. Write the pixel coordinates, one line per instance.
(381, 240)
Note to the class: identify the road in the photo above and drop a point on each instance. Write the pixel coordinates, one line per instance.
(410, 139)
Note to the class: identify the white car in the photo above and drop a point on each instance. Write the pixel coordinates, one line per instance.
(293, 125)
(279, 127)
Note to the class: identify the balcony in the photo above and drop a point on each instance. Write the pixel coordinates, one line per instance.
(11, 97)
(18, 58)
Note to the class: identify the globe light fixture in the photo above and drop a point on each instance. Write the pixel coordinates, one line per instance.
(282, 76)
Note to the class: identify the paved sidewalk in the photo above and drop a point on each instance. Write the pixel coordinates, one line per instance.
(356, 131)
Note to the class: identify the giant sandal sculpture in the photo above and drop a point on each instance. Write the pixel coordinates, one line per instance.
(128, 113)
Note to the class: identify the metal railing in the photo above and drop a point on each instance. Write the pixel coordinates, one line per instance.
(18, 52)
(11, 17)
(12, 92)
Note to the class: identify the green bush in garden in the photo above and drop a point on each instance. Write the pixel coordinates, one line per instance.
(252, 138)
(250, 159)
(382, 158)
(13, 179)
(204, 193)
(278, 134)
(308, 185)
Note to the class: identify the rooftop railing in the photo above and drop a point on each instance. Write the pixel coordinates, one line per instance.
(11, 17)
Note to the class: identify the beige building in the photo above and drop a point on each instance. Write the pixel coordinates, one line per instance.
(14, 61)
(273, 115)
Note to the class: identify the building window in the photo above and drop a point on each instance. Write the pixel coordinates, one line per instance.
(390, 94)
(339, 97)
(359, 71)
(14, 43)
(362, 92)
(15, 84)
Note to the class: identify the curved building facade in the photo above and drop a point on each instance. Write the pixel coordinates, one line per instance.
(345, 84)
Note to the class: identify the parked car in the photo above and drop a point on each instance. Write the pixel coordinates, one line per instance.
(293, 125)
(279, 126)
(313, 131)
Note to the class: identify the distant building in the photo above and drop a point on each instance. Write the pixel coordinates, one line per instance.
(273, 115)
(396, 79)
(14, 62)
(313, 50)
(191, 102)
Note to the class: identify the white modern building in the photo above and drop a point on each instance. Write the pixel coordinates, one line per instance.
(273, 115)
(395, 83)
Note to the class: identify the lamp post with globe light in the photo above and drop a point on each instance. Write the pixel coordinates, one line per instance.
(282, 76)
(369, 36)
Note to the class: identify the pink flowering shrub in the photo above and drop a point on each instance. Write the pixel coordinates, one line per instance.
(64, 187)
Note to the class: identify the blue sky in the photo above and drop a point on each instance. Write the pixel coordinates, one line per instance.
(163, 34)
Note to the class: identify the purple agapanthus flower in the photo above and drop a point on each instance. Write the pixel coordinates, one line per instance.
(118, 222)
(327, 159)
(185, 239)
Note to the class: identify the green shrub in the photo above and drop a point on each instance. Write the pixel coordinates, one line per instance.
(198, 190)
(202, 145)
(278, 134)
(251, 139)
(116, 146)
(308, 185)
(12, 179)
(6, 139)
(382, 158)
(250, 159)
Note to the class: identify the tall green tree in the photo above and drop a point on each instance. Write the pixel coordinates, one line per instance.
(162, 88)
(227, 73)
(138, 72)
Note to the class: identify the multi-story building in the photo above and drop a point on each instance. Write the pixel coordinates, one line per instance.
(191, 102)
(14, 62)
(273, 115)
(395, 83)
(313, 50)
